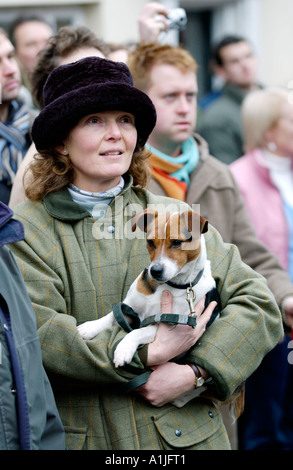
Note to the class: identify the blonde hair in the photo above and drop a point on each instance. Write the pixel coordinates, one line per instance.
(145, 56)
(3, 32)
(261, 110)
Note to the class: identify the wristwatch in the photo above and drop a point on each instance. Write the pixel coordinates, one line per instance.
(199, 380)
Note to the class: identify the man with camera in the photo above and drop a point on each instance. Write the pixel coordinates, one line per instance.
(155, 20)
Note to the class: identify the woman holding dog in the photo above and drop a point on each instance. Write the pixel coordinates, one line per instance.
(78, 261)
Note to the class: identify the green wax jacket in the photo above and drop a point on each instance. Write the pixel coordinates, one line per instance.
(75, 268)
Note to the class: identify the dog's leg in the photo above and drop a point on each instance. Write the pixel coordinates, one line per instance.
(127, 347)
(90, 329)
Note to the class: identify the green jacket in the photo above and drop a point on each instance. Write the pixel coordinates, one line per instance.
(75, 270)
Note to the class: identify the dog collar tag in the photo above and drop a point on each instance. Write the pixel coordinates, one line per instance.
(190, 300)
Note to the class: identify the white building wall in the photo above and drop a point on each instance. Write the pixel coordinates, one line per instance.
(112, 20)
(115, 20)
(267, 23)
(276, 41)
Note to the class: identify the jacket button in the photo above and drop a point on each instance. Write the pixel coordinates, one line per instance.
(178, 432)
(211, 415)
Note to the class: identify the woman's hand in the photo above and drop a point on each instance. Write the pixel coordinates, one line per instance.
(288, 309)
(169, 380)
(166, 383)
(172, 341)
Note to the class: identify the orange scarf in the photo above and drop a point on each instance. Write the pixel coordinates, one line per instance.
(161, 170)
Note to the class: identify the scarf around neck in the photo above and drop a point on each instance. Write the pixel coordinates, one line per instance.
(95, 203)
(13, 141)
(172, 173)
(281, 173)
(280, 170)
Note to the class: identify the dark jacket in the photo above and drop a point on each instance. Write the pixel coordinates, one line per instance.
(221, 125)
(29, 418)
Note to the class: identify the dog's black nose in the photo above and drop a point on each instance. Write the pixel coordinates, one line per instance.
(157, 271)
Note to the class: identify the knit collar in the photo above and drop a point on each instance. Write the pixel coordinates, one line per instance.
(60, 204)
(101, 195)
(281, 174)
(95, 203)
(188, 159)
(274, 162)
(235, 92)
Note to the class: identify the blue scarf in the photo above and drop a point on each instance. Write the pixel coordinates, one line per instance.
(188, 158)
(13, 141)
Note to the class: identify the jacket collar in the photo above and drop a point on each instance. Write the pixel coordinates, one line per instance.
(59, 204)
(236, 93)
(11, 230)
(255, 157)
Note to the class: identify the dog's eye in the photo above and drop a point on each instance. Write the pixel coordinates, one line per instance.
(176, 243)
(151, 244)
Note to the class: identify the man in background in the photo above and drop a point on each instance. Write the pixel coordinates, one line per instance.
(234, 61)
(15, 118)
(182, 167)
(29, 35)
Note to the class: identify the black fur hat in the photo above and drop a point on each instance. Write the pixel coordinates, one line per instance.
(89, 86)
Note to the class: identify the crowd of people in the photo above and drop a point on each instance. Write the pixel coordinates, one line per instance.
(88, 132)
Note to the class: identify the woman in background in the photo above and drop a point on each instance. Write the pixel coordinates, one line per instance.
(265, 177)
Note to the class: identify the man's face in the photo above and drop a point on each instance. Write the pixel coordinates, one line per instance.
(239, 65)
(174, 96)
(10, 79)
(30, 38)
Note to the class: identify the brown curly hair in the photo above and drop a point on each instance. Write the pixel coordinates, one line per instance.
(51, 171)
(67, 40)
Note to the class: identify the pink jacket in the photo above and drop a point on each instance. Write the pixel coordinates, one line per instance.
(264, 203)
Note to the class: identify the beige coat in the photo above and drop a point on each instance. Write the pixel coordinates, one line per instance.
(213, 187)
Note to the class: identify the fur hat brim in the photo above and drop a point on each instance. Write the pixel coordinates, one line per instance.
(54, 122)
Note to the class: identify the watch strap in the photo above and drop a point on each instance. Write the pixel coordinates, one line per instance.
(199, 380)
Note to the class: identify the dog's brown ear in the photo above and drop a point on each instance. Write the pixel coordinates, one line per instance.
(143, 219)
(204, 225)
(195, 221)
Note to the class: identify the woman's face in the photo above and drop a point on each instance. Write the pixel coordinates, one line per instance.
(282, 133)
(101, 147)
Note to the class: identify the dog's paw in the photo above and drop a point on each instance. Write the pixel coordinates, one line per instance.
(90, 329)
(123, 353)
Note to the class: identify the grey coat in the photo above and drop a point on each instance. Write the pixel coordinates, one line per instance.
(29, 418)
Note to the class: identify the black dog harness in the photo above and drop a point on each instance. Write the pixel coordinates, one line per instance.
(121, 309)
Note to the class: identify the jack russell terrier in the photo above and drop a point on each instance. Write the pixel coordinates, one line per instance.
(178, 263)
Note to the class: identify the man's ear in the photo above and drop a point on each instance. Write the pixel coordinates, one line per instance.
(219, 70)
